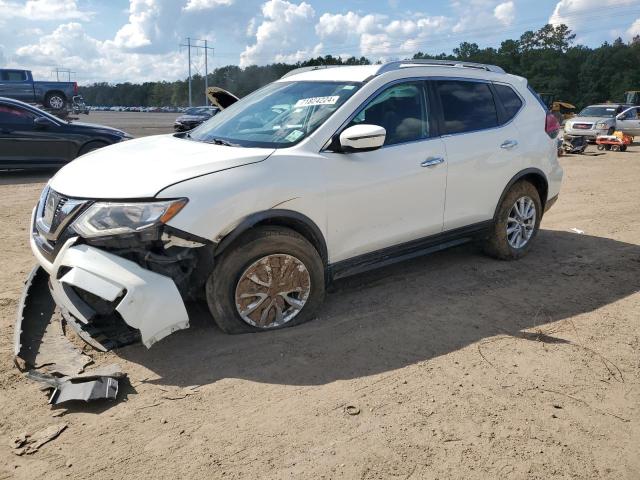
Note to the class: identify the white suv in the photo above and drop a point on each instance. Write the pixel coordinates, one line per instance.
(324, 173)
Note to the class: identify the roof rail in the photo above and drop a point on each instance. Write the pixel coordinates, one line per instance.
(296, 71)
(396, 65)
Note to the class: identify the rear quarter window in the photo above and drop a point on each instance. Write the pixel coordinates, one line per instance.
(467, 106)
(511, 102)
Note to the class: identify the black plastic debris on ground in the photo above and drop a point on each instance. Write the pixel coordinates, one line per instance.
(46, 354)
(101, 383)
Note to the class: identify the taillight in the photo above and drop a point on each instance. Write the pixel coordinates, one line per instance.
(75, 88)
(551, 125)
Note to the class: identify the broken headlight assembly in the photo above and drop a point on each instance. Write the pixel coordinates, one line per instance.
(120, 218)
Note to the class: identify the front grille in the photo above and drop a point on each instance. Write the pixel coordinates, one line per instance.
(583, 126)
(54, 214)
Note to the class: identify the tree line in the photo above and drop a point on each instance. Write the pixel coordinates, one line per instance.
(547, 57)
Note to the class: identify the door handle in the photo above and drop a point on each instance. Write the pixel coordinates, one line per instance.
(509, 144)
(431, 161)
(5, 131)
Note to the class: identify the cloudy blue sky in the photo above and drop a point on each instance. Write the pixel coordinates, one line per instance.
(138, 40)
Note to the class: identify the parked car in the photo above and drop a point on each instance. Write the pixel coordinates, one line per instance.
(594, 120)
(33, 138)
(259, 208)
(19, 85)
(193, 117)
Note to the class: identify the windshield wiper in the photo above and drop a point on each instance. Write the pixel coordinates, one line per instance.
(219, 141)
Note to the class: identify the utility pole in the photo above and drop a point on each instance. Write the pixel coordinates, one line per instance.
(206, 49)
(189, 45)
(206, 72)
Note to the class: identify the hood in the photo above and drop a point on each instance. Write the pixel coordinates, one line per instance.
(141, 168)
(95, 126)
(193, 118)
(592, 120)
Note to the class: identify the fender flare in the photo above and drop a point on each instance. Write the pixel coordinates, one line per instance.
(518, 176)
(283, 217)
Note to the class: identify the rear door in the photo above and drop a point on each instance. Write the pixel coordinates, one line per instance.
(629, 121)
(23, 144)
(481, 144)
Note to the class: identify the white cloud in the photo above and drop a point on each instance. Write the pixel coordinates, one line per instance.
(197, 5)
(285, 26)
(376, 35)
(151, 25)
(95, 60)
(580, 12)
(43, 10)
(505, 13)
(634, 29)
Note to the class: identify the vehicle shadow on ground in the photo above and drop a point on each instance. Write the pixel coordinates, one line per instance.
(408, 313)
(24, 177)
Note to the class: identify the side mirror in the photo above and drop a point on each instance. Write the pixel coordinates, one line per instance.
(362, 138)
(42, 122)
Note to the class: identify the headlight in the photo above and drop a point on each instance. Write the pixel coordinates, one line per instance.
(111, 218)
(602, 125)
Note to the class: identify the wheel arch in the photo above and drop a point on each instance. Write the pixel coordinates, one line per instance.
(54, 92)
(533, 175)
(89, 142)
(296, 221)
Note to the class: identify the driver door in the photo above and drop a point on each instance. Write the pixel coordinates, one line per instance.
(629, 121)
(23, 144)
(392, 195)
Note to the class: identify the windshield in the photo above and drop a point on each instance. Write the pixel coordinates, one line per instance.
(278, 115)
(598, 112)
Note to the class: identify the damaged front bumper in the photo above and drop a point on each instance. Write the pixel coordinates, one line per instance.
(146, 301)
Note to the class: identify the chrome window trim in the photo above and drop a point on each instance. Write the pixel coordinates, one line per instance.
(424, 79)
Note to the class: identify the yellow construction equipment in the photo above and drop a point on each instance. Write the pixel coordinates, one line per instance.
(632, 97)
(560, 109)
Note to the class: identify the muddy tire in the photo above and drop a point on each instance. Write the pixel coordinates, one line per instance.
(516, 224)
(270, 278)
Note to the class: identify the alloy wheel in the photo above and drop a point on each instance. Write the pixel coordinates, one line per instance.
(272, 291)
(521, 222)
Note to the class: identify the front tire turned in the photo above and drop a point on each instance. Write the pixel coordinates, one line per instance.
(270, 278)
(516, 224)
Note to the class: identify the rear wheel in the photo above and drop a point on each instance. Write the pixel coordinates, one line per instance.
(55, 101)
(271, 278)
(516, 224)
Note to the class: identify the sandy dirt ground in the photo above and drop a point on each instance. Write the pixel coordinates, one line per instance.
(460, 366)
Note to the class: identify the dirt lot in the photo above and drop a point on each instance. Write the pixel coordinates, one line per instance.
(462, 367)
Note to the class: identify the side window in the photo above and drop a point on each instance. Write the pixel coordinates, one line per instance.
(401, 110)
(15, 115)
(467, 106)
(13, 76)
(510, 100)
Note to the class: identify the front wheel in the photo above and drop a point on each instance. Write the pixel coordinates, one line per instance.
(516, 224)
(271, 278)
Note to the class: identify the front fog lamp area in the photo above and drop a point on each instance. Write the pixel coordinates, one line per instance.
(111, 218)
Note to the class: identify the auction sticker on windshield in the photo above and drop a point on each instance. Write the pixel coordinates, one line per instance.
(312, 101)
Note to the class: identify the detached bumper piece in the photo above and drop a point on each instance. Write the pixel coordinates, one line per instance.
(95, 385)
